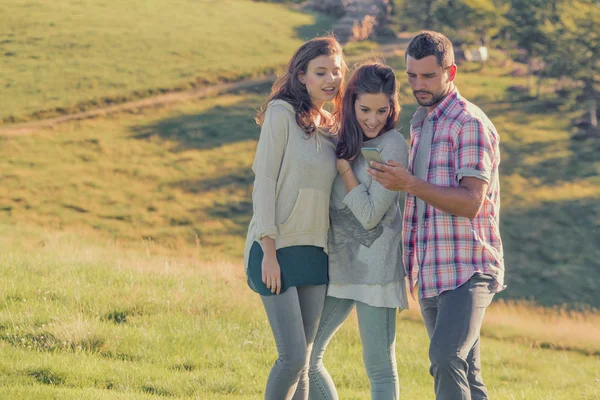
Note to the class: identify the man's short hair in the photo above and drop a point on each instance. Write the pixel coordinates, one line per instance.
(430, 43)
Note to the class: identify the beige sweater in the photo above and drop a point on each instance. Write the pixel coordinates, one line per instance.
(294, 174)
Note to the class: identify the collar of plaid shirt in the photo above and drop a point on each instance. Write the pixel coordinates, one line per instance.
(420, 115)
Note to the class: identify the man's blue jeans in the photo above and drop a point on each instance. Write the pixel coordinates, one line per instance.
(453, 320)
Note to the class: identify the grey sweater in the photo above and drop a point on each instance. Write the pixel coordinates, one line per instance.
(366, 224)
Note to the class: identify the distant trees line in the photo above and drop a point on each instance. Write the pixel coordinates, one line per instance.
(556, 38)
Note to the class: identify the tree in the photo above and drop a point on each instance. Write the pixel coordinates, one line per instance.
(472, 20)
(465, 21)
(530, 26)
(418, 14)
(574, 51)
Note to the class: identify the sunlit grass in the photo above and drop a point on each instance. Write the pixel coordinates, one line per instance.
(122, 236)
(69, 55)
(179, 177)
(99, 320)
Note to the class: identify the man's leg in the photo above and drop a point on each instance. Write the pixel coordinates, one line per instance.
(478, 389)
(429, 311)
(455, 336)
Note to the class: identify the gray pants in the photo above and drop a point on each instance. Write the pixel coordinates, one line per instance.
(294, 316)
(453, 320)
(377, 327)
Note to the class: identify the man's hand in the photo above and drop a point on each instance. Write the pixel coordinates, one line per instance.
(464, 200)
(392, 176)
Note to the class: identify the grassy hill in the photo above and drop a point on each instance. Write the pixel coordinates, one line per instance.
(88, 319)
(70, 55)
(121, 237)
(180, 177)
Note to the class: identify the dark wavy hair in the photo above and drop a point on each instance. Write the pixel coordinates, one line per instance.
(371, 78)
(430, 43)
(289, 88)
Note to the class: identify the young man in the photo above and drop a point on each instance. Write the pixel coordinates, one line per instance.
(451, 239)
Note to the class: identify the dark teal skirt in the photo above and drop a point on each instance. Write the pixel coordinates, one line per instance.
(300, 265)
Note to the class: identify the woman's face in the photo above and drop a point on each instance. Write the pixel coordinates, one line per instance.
(372, 111)
(322, 79)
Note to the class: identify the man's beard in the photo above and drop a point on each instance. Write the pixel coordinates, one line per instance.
(435, 98)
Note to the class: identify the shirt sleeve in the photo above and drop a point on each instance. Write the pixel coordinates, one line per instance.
(369, 206)
(474, 151)
(267, 165)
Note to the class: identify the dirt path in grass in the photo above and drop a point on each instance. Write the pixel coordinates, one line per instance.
(171, 98)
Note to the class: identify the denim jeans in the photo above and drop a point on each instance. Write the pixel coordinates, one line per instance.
(453, 320)
(377, 327)
(294, 316)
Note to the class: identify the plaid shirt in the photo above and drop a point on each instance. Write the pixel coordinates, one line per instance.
(443, 251)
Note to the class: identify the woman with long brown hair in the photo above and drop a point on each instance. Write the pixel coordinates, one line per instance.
(286, 248)
(365, 257)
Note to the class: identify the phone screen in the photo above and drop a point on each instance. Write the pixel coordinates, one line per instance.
(371, 154)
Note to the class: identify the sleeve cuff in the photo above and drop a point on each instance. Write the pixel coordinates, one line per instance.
(463, 172)
(353, 194)
(269, 231)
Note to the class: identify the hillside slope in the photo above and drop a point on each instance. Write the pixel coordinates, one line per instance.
(73, 55)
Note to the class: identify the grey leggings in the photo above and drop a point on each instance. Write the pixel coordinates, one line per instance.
(294, 316)
(377, 327)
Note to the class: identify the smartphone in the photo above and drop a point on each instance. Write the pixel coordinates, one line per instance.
(371, 154)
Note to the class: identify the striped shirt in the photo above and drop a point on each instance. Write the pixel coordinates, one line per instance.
(443, 251)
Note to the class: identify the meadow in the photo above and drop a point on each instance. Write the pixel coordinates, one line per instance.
(86, 318)
(180, 176)
(73, 55)
(122, 275)
(121, 236)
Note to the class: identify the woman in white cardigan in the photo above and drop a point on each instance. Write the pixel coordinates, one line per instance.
(365, 255)
(286, 247)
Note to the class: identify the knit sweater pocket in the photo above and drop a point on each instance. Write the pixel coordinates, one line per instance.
(308, 222)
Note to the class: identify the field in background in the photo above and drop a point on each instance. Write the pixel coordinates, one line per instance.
(71, 55)
(121, 237)
(87, 319)
(180, 176)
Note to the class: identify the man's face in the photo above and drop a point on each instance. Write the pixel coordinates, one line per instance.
(429, 82)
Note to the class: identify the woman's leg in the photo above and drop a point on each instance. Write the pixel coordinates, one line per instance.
(311, 300)
(378, 335)
(285, 317)
(334, 314)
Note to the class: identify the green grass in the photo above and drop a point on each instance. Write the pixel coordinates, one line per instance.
(65, 56)
(121, 237)
(83, 319)
(163, 175)
(180, 177)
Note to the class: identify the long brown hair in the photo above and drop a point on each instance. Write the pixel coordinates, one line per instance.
(289, 88)
(371, 78)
